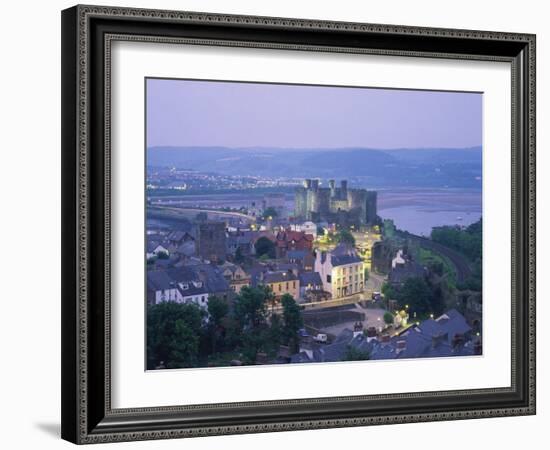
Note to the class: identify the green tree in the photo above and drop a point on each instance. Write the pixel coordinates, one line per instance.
(345, 237)
(184, 346)
(292, 322)
(163, 255)
(417, 294)
(467, 241)
(217, 311)
(265, 246)
(250, 313)
(354, 354)
(251, 306)
(269, 212)
(389, 228)
(389, 292)
(388, 318)
(173, 331)
(274, 336)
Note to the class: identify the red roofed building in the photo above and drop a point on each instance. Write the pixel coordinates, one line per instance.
(292, 240)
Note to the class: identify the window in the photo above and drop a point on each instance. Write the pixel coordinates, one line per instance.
(329, 279)
(294, 285)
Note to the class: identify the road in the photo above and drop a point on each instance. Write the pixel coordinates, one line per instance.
(460, 263)
(375, 282)
(182, 210)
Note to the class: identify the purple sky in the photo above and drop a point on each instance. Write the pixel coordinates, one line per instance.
(204, 113)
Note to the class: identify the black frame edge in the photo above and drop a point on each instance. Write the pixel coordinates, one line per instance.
(69, 144)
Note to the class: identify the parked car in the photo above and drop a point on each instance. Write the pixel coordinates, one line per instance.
(321, 338)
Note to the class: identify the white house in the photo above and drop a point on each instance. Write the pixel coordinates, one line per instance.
(398, 260)
(341, 271)
(162, 288)
(155, 248)
(307, 227)
(193, 292)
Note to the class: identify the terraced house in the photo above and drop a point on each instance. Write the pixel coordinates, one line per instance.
(281, 283)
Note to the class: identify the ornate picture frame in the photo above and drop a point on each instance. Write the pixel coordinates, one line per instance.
(88, 33)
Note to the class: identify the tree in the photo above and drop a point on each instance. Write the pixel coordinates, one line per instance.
(265, 246)
(269, 213)
(275, 335)
(389, 292)
(354, 354)
(345, 237)
(173, 331)
(251, 306)
(217, 311)
(388, 318)
(417, 294)
(163, 255)
(467, 241)
(292, 322)
(250, 313)
(436, 267)
(184, 346)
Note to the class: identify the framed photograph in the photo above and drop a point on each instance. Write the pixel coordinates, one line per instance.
(278, 224)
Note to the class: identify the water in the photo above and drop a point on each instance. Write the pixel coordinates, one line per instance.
(417, 211)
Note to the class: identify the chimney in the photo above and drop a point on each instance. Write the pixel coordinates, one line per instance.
(458, 340)
(385, 338)
(371, 332)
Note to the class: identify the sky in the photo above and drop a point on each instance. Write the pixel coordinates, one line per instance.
(234, 114)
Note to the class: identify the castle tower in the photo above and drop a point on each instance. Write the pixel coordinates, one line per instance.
(332, 185)
(344, 189)
(371, 207)
(314, 184)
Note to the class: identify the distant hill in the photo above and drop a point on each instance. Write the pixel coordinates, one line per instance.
(406, 167)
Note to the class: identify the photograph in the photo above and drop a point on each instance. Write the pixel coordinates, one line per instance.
(302, 223)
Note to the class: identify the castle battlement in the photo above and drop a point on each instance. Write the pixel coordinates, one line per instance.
(335, 204)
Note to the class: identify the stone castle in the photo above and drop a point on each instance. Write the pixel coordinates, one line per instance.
(335, 204)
